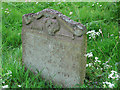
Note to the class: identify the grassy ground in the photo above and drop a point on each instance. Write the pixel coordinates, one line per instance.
(102, 43)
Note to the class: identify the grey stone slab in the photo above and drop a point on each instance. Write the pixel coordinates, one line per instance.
(56, 45)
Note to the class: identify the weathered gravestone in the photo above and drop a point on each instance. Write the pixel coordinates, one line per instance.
(54, 44)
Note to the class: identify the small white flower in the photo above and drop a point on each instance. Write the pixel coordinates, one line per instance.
(89, 54)
(106, 82)
(107, 62)
(90, 64)
(97, 61)
(1, 8)
(71, 13)
(97, 33)
(97, 3)
(114, 75)
(6, 86)
(100, 5)
(92, 34)
(89, 37)
(87, 65)
(36, 2)
(92, 4)
(104, 86)
(3, 82)
(100, 30)
(111, 34)
(101, 68)
(96, 58)
(9, 72)
(111, 85)
(19, 85)
(18, 34)
(113, 71)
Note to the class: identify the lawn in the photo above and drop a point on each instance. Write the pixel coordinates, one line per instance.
(101, 21)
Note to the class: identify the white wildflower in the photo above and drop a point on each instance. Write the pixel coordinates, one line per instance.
(104, 86)
(9, 72)
(92, 4)
(97, 61)
(100, 5)
(114, 75)
(89, 37)
(106, 82)
(3, 82)
(96, 58)
(86, 65)
(11, 75)
(18, 34)
(89, 65)
(71, 13)
(97, 33)
(6, 86)
(19, 85)
(111, 34)
(101, 68)
(100, 30)
(92, 34)
(89, 54)
(97, 3)
(36, 2)
(110, 85)
(113, 71)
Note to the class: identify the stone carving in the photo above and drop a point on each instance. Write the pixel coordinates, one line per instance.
(51, 22)
(52, 26)
(54, 44)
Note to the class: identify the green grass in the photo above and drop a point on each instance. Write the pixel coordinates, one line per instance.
(104, 46)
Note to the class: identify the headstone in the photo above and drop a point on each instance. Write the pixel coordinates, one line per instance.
(55, 45)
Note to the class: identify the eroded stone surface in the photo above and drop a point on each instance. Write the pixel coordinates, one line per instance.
(55, 44)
